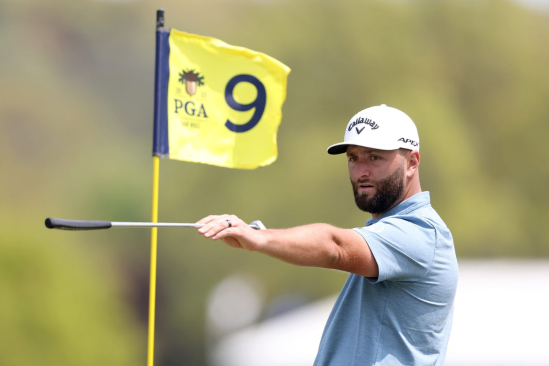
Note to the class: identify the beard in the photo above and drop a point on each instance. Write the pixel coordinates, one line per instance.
(388, 191)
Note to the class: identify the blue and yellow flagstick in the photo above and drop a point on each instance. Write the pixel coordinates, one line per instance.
(154, 230)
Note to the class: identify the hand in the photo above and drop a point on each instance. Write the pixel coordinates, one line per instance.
(237, 235)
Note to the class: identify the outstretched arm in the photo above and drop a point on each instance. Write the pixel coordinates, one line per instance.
(315, 245)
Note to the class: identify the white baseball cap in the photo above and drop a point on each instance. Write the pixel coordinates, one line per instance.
(379, 127)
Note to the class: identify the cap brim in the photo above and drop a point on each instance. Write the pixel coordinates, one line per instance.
(337, 149)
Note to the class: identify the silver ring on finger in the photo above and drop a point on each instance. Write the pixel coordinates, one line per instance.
(229, 222)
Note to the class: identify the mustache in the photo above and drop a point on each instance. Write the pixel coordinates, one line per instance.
(363, 181)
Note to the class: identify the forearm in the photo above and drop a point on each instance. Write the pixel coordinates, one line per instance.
(309, 245)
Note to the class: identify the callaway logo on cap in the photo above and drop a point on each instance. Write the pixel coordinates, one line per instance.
(379, 127)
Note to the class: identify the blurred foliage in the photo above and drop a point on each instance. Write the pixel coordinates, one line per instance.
(76, 104)
(57, 308)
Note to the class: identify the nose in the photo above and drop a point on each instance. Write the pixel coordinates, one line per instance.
(361, 170)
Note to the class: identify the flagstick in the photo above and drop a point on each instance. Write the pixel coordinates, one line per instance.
(154, 230)
(152, 286)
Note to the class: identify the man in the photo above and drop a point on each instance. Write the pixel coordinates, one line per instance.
(397, 304)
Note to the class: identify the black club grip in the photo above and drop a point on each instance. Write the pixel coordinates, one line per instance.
(61, 224)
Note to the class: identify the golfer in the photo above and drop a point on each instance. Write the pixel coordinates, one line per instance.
(397, 304)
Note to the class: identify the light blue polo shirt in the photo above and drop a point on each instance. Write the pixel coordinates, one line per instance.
(404, 316)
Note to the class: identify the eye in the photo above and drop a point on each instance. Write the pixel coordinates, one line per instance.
(351, 158)
(375, 157)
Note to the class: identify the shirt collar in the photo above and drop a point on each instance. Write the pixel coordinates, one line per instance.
(410, 204)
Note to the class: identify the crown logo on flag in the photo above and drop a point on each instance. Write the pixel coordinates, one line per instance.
(191, 79)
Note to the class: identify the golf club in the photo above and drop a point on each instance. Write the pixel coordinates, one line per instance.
(52, 223)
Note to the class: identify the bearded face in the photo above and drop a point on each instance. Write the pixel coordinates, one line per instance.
(387, 192)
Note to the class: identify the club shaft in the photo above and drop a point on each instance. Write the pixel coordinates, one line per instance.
(154, 224)
(253, 225)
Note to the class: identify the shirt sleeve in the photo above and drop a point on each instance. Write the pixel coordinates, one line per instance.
(403, 248)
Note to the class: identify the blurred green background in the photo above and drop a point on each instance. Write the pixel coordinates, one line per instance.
(76, 106)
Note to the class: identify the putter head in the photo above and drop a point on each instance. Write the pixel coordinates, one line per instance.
(257, 225)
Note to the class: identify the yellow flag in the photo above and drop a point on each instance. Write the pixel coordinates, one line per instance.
(216, 103)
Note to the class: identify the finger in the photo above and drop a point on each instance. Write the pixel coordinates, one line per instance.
(225, 233)
(215, 227)
(207, 219)
(208, 223)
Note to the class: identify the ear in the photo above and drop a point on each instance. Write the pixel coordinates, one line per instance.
(412, 160)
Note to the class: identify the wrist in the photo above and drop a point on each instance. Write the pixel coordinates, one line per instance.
(262, 241)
